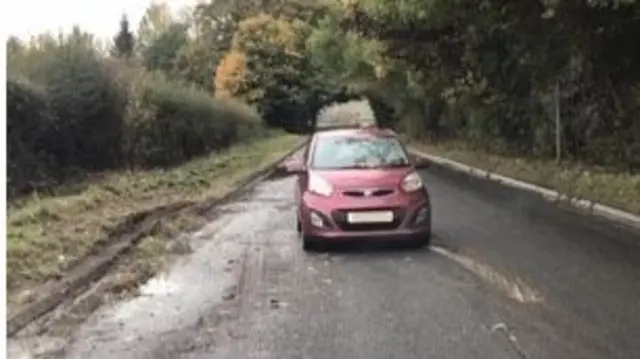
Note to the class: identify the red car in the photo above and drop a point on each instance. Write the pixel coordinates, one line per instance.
(360, 184)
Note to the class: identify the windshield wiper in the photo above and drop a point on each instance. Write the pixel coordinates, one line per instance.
(356, 167)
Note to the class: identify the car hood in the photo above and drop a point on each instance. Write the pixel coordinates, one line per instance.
(349, 178)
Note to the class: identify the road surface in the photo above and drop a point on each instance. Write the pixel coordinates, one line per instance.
(509, 276)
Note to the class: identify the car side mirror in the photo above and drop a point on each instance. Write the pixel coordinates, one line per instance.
(421, 163)
(296, 167)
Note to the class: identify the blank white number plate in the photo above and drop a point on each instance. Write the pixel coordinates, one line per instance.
(370, 217)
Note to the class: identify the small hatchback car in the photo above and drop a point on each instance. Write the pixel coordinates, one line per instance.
(360, 184)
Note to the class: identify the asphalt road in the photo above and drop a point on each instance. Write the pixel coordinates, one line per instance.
(509, 276)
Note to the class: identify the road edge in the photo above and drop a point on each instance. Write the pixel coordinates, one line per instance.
(85, 274)
(584, 205)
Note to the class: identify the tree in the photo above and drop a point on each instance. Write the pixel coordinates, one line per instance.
(156, 20)
(196, 62)
(163, 52)
(231, 76)
(123, 41)
(16, 51)
(489, 68)
(268, 66)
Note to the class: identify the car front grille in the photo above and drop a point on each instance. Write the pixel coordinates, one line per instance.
(378, 192)
(340, 218)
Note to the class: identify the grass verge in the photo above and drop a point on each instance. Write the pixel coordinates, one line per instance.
(614, 188)
(48, 235)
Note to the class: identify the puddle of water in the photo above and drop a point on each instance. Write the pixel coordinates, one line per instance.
(159, 286)
(34, 347)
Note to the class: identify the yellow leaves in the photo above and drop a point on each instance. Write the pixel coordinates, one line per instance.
(230, 75)
(263, 47)
(263, 29)
(255, 95)
(380, 71)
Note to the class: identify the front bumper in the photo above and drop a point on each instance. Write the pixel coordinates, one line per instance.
(411, 223)
(372, 236)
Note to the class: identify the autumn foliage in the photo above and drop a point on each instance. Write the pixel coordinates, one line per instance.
(231, 74)
(267, 66)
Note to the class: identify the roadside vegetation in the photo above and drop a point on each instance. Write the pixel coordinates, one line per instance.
(98, 133)
(48, 235)
(606, 185)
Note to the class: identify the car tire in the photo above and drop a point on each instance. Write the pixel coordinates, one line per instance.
(310, 244)
(422, 241)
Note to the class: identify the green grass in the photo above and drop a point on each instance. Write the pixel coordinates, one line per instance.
(607, 186)
(47, 235)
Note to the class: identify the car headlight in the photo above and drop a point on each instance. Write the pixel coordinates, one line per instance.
(316, 220)
(320, 186)
(412, 182)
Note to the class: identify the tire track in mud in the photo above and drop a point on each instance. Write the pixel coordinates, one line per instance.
(191, 319)
(277, 284)
(269, 283)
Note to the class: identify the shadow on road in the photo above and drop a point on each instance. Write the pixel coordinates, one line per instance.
(370, 247)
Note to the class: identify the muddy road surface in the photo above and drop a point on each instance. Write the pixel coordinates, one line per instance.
(508, 276)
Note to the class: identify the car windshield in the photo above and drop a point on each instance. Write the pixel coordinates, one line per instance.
(358, 152)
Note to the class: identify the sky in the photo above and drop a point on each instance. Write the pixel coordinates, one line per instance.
(25, 18)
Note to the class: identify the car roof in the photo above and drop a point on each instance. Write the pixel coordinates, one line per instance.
(370, 131)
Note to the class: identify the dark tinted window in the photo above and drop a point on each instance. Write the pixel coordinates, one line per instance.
(358, 152)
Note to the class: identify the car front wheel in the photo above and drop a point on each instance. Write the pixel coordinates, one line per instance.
(310, 244)
(423, 241)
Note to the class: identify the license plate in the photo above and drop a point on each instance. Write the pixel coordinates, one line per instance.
(370, 217)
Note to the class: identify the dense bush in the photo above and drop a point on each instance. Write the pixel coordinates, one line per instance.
(80, 111)
(88, 104)
(30, 124)
(169, 124)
